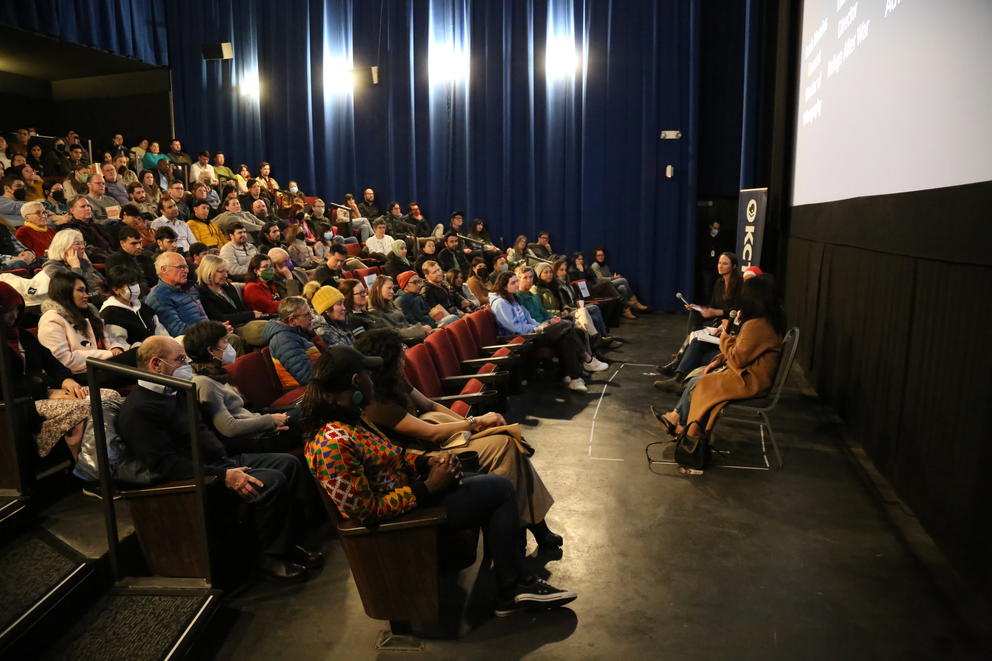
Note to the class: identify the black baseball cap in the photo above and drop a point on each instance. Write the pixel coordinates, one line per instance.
(339, 363)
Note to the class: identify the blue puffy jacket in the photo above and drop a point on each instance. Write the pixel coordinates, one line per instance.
(293, 354)
(175, 308)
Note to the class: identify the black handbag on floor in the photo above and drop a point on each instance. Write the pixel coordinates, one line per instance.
(692, 453)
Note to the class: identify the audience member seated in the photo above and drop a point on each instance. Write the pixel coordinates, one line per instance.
(177, 155)
(261, 293)
(138, 197)
(557, 299)
(436, 292)
(356, 297)
(289, 280)
(379, 244)
(165, 241)
(131, 216)
(67, 254)
(292, 343)
(140, 149)
(601, 270)
(414, 305)
(153, 192)
(453, 257)
(370, 479)
(255, 192)
(517, 254)
(14, 196)
(35, 234)
(302, 254)
(71, 328)
(292, 203)
(238, 252)
(125, 175)
(75, 183)
(176, 303)
(328, 303)
(233, 213)
(601, 289)
(330, 272)
(396, 261)
(177, 191)
(542, 250)
(386, 315)
(131, 254)
(411, 420)
(269, 184)
(13, 253)
(457, 227)
(100, 239)
(396, 222)
(151, 158)
(202, 167)
(745, 367)
(170, 218)
(513, 318)
(270, 237)
(478, 282)
(204, 230)
(454, 280)
(128, 320)
(481, 234)
(61, 403)
(499, 266)
(153, 423)
(428, 252)
(36, 159)
(261, 210)
(32, 180)
(105, 207)
(54, 201)
(221, 172)
(221, 300)
(113, 185)
(202, 192)
(237, 428)
(56, 160)
(368, 208)
(421, 226)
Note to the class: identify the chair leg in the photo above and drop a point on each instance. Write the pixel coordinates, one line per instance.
(765, 422)
(399, 638)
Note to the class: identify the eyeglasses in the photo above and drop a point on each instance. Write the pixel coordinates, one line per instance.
(182, 359)
(182, 267)
(361, 293)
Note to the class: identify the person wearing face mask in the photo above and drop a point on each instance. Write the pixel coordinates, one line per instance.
(237, 428)
(153, 423)
(261, 293)
(14, 196)
(128, 320)
(478, 282)
(56, 160)
(75, 184)
(54, 201)
(292, 203)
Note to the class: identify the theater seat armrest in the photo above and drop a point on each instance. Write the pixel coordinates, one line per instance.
(422, 517)
(165, 489)
(474, 399)
(500, 362)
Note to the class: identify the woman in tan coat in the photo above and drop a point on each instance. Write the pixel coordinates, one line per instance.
(745, 367)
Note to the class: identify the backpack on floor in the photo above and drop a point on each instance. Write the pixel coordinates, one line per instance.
(692, 453)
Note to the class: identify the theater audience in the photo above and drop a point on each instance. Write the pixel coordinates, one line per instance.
(371, 479)
(128, 320)
(79, 173)
(428, 252)
(233, 213)
(54, 201)
(396, 222)
(604, 289)
(169, 217)
(380, 244)
(100, 240)
(261, 293)
(221, 300)
(114, 187)
(542, 250)
(289, 280)
(745, 367)
(105, 207)
(202, 167)
(72, 329)
(413, 304)
(330, 272)
(176, 153)
(165, 241)
(221, 172)
(204, 230)
(131, 254)
(291, 342)
(300, 252)
(517, 254)
(385, 314)
(328, 303)
(125, 175)
(270, 237)
(356, 297)
(153, 423)
(13, 198)
(396, 261)
(478, 282)
(513, 318)
(601, 269)
(176, 303)
(153, 192)
(453, 257)
(35, 235)
(270, 185)
(556, 297)
(238, 252)
(67, 254)
(436, 292)
(368, 208)
(237, 428)
(459, 291)
(177, 191)
(151, 158)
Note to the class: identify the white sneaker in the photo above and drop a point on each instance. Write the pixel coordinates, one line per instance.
(595, 365)
(578, 385)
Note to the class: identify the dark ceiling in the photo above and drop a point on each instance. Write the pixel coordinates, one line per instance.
(38, 56)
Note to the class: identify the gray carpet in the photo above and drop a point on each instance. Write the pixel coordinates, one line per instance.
(131, 627)
(29, 567)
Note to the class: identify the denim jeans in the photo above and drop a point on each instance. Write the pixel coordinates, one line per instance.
(696, 355)
(682, 408)
(363, 226)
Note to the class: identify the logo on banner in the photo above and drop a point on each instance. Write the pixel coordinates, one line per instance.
(751, 226)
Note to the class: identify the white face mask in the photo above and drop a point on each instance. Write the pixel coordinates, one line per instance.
(229, 355)
(184, 372)
(135, 291)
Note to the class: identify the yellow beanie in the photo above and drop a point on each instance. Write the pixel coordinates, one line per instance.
(325, 298)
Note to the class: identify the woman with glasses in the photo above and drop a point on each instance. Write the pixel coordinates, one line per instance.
(387, 315)
(67, 254)
(36, 234)
(72, 329)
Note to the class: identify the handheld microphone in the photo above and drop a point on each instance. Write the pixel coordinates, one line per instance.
(679, 296)
(733, 323)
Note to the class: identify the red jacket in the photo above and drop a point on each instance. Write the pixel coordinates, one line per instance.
(262, 297)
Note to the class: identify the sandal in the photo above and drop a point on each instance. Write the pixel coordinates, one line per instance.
(689, 471)
(669, 427)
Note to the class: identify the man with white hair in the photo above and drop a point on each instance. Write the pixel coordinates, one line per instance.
(36, 234)
(176, 305)
(289, 280)
(153, 423)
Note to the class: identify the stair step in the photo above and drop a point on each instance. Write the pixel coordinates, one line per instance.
(139, 623)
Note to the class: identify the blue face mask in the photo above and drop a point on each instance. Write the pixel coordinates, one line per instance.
(328, 236)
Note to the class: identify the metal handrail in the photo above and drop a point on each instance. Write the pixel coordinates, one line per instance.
(95, 365)
(10, 402)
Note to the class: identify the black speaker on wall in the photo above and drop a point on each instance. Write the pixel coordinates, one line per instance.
(221, 51)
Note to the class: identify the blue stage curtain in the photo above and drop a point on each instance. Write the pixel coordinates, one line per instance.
(133, 28)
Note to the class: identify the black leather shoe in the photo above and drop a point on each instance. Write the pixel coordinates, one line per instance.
(280, 569)
(669, 369)
(673, 385)
(549, 541)
(309, 559)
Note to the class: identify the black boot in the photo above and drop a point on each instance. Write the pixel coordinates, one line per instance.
(546, 540)
(669, 368)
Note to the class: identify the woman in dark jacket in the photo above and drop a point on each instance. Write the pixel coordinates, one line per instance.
(221, 300)
(127, 318)
(396, 261)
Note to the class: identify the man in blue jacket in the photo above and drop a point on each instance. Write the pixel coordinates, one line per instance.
(176, 304)
(292, 342)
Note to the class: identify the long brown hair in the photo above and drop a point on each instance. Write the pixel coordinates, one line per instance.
(60, 290)
(347, 287)
(375, 294)
(500, 287)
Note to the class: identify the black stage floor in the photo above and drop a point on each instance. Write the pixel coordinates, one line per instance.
(738, 564)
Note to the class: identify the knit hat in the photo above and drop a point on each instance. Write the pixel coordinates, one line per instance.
(752, 271)
(403, 279)
(311, 288)
(325, 298)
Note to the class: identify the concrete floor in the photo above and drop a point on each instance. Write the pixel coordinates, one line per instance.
(738, 564)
